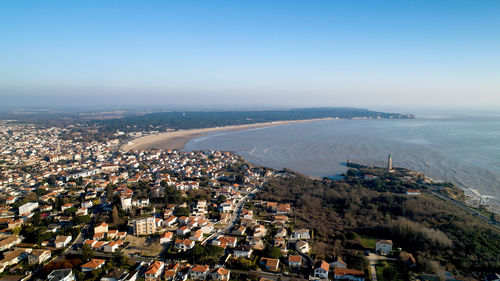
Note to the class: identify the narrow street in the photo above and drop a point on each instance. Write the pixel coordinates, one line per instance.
(234, 217)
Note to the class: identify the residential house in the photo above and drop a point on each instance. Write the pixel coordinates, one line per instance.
(184, 245)
(66, 206)
(225, 207)
(121, 235)
(302, 247)
(294, 261)
(207, 228)
(99, 245)
(171, 271)
(166, 237)
(240, 230)
(170, 221)
(339, 263)
(383, 247)
(183, 230)
(321, 270)
(112, 233)
(61, 275)
(38, 256)
(101, 228)
(199, 272)
(301, 234)
(259, 231)
(225, 241)
(281, 233)
(413, 192)
(93, 264)
(99, 236)
(112, 246)
(62, 241)
(10, 242)
(270, 264)
(197, 236)
(242, 251)
(91, 243)
(247, 214)
(256, 243)
(154, 271)
(220, 273)
(13, 257)
(15, 223)
(116, 274)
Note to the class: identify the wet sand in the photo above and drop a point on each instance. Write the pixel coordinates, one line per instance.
(178, 139)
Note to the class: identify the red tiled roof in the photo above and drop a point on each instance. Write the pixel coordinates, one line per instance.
(200, 268)
(294, 258)
(94, 263)
(154, 267)
(343, 271)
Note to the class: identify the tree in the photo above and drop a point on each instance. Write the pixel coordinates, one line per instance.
(70, 211)
(109, 192)
(35, 219)
(273, 252)
(221, 199)
(87, 252)
(41, 191)
(119, 259)
(198, 251)
(115, 216)
(80, 276)
(182, 212)
(16, 230)
(351, 173)
(32, 197)
(388, 273)
(85, 219)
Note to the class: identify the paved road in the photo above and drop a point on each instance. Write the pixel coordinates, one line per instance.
(373, 259)
(468, 209)
(268, 275)
(234, 217)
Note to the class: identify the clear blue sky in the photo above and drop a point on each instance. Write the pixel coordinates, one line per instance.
(290, 53)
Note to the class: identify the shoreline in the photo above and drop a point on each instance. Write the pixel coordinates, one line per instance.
(178, 139)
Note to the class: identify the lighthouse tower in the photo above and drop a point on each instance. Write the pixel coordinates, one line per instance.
(389, 162)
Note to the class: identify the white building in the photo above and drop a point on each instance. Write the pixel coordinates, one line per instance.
(27, 208)
(126, 202)
(383, 247)
(321, 270)
(61, 275)
(38, 256)
(62, 241)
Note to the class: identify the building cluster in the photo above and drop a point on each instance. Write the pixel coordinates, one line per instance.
(59, 192)
(62, 195)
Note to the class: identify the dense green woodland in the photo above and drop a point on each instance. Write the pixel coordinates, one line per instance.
(130, 121)
(206, 119)
(440, 236)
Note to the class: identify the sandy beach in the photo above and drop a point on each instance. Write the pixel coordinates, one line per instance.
(178, 139)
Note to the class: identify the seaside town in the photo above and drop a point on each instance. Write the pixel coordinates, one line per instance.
(84, 210)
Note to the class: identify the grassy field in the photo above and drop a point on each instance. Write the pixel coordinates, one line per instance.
(368, 241)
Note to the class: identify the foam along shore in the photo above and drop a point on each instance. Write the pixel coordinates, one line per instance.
(178, 139)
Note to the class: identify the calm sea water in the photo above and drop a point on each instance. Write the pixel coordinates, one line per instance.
(462, 149)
